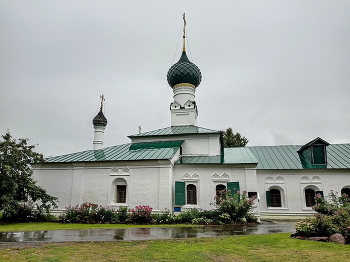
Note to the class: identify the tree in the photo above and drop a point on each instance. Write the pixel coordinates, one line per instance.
(20, 198)
(233, 140)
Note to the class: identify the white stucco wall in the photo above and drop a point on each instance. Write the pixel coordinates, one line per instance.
(148, 183)
(293, 183)
(197, 144)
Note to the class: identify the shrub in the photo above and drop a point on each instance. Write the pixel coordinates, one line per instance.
(341, 218)
(305, 228)
(121, 216)
(165, 217)
(189, 215)
(28, 213)
(141, 215)
(238, 207)
(86, 213)
(333, 216)
(202, 221)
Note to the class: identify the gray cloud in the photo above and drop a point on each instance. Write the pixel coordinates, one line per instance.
(275, 71)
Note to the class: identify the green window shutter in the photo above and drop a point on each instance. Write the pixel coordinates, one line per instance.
(233, 187)
(320, 192)
(268, 198)
(180, 197)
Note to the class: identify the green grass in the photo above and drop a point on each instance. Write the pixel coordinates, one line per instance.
(12, 227)
(274, 247)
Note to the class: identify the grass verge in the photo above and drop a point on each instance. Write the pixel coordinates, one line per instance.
(274, 247)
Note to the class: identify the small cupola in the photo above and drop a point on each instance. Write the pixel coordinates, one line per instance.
(314, 154)
(99, 122)
(99, 119)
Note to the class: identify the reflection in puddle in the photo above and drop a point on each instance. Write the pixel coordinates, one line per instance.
(144, 233)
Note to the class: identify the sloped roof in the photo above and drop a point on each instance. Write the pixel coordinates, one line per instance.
(132, 151)
(177, 130)
(287, 157)
(237, 155)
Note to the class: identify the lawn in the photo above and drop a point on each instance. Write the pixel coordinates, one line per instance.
(274, 247)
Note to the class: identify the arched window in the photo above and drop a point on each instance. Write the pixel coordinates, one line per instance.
(275, 198)
(219, 188)
(191, 194)
(120, 190)
(310, 197)
(345, 191)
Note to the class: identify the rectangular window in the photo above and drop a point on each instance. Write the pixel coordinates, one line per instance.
(318, 154)
(121, 193)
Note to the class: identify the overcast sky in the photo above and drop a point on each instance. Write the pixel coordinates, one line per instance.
(278, 72)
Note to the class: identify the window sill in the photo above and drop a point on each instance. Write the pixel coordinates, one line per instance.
(190, 206)
(118, 205)
(308, 209)
(277, 208)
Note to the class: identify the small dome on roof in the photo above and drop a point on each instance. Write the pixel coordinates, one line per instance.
(99, 119)
(184, 71)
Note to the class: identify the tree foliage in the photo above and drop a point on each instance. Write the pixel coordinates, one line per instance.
(20, 197)
(233, 140)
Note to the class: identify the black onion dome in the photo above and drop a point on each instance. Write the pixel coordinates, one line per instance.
(184, 71)
(99, 119)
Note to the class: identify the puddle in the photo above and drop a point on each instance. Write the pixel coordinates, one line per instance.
(144, 233)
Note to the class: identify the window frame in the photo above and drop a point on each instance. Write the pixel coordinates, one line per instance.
(275, 199)
(314, 154)
(309, 197)
(120, 194)
(191, 194)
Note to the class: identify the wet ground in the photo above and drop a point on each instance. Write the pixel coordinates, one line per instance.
(121, 234)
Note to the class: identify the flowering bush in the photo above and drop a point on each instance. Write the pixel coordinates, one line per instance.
(141, 215)
(189, 215)
(165, 217)
(320, 225)
(333, 216)
(234, 207)
(86, 213)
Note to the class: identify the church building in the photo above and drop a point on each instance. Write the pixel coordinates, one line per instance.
(184, 166)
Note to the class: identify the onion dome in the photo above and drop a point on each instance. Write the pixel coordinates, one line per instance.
(184, 72)
(100, 119)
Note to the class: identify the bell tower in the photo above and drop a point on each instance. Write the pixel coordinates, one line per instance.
(184, 77)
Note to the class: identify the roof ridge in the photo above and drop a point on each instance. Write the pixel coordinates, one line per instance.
(176, 130)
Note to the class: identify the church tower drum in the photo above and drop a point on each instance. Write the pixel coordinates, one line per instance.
(184, 77)
(100, 123)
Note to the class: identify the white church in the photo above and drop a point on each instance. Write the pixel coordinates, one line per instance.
(184, 166)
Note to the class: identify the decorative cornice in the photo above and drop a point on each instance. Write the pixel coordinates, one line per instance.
(184, 84)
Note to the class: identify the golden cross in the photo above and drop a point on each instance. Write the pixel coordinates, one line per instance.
(184, 18)
(102, 100)
(184, 35)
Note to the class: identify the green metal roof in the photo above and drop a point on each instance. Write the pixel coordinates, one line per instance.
(237, 155)
(177, 130)
(135, 151)
(287, 157)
